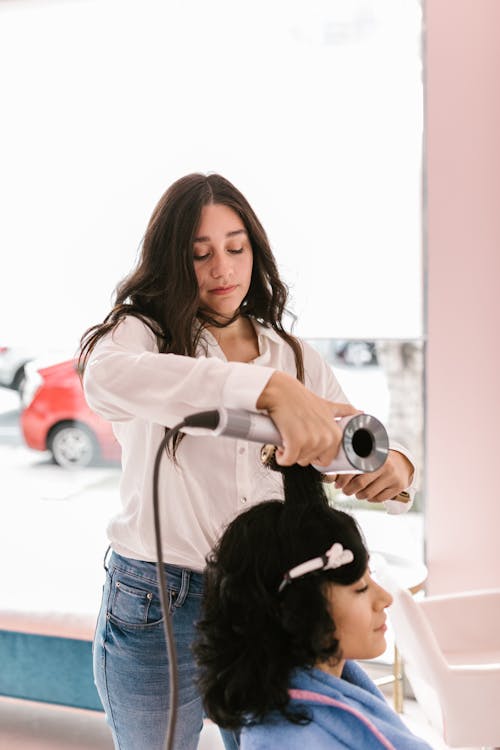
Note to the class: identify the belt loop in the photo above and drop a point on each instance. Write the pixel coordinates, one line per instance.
(184, 589)
(105, 560)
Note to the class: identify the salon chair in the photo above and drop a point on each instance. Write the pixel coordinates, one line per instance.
(450, 646)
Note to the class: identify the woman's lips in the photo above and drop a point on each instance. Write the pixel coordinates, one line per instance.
(223, 290)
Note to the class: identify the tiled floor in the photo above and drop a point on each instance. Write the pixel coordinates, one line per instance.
(32, 726)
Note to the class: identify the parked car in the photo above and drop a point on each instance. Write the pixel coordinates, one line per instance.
(356, 353)
(12, 362)
(56, 418)
(350, 352)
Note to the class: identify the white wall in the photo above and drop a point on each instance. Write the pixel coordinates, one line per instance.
(312, 109)
(463, 164)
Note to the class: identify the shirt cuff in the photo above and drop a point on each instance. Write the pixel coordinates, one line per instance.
(395, 507)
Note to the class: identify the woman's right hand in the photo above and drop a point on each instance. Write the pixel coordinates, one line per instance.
(305, 421)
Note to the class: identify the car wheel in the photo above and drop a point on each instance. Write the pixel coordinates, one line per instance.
(73, 446)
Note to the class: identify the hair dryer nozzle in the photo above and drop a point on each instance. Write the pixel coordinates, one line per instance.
(364, 445)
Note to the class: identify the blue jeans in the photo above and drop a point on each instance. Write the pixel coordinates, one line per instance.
(130, 656)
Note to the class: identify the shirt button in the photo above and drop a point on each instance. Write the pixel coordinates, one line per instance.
(241, 450)
(243, 499)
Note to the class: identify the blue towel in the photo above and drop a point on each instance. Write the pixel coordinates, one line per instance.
(348, 713)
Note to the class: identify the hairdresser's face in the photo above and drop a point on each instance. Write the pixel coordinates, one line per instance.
(223, 260)
(359, 617)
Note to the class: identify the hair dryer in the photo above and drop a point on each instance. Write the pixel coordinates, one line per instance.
(364, 446)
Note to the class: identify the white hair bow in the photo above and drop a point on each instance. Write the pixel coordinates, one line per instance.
(335, 557)
(338, 556)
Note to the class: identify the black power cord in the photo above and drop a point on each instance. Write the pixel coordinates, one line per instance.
(206, 419)
(162, 585)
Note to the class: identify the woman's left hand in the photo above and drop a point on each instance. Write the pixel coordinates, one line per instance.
(384, 484)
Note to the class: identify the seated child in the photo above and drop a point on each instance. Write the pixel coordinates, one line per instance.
(289, 605)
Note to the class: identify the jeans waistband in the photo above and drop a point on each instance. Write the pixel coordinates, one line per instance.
(147, 571)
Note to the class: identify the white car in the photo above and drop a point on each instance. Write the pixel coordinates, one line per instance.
(12, 362)
(17, 361)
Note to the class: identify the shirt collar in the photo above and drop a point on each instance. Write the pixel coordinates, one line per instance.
(264, 334)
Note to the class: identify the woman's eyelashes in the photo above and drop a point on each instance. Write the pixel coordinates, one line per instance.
(232, 251)
(362, 589)
(364, 583)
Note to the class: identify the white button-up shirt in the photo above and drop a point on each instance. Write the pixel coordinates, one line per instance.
(128, 382)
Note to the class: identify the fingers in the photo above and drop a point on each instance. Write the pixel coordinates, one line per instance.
(353, 484)
(377, 491)
(306, 422)
(327, 448)
(328, 478)
(315, 441)
(377, 486)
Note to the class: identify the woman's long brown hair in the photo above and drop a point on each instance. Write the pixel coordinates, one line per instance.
(162, 290)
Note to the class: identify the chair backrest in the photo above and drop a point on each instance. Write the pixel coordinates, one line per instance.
(466, 624)
(425, 665)
(451, 650)
(415, 639)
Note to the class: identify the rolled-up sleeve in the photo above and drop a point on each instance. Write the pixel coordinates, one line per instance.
(126, 377)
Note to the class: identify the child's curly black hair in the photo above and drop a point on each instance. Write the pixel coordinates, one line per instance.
(251, 636)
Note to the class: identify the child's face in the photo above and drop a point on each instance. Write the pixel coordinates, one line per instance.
(359, 617)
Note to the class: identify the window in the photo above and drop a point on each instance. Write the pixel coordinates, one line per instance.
(313, 109)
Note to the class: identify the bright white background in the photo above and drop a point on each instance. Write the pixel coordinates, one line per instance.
(313, 109)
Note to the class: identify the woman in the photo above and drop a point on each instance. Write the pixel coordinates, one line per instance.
(196, 325)
(289, 603)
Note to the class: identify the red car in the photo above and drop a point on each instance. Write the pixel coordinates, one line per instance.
(56, 418)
